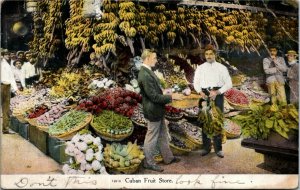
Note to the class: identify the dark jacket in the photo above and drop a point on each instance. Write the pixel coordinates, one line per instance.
(153, 99)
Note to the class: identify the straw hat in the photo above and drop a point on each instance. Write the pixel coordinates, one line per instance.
(292, 52)
(18, 52)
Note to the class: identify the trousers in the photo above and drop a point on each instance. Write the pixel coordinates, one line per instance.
(5, 101)
(277, 92)
(157, 137)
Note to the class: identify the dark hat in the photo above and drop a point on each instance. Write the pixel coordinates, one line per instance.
(18, 60)
(18, 52)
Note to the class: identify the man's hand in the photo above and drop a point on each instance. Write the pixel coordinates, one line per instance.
(167, 91)
(202, 95)
(213, 94)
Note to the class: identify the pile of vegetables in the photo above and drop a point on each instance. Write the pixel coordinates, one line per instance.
(104, 83)
(237, 97)
(260, 120)
(119, 100)
(117, 155)
(191, 130)
(138, 115)
(232, 129)
(255, 96)
(177, 142)
(36, 111)
(175, 128)
(112, 123)
(52, 115)
(194, 111)
(66, 85)
(172, 112)
(85, 153)
(67, 122)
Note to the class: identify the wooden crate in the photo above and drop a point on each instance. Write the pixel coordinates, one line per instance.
(38, 138)
(14, 124)
(24, 130)
(56, 150)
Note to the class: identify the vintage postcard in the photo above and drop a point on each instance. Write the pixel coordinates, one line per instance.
(149, 94)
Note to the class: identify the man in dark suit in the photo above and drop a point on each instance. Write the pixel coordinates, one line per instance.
(154, 100)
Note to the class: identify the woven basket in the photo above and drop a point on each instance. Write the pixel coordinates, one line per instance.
(174, 118)
(35, 123)
(68, 135)
(109, 136)
(124, 170)
(21, 118)
(190, 117)
(197, 144)
(232, 135)
(237, 106)
(179, 151)
(139, 124)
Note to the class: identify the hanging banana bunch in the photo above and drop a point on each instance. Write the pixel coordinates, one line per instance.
(171, 25)
(161, 22)
(141, 24)
(105, 30)
(279, 27)
(152, 28)
(127, 15)
(78, 31)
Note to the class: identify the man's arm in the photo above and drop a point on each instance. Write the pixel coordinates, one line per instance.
(197, 81)
(227, 81)
(267, 68)
(281, 65)
(149, 86)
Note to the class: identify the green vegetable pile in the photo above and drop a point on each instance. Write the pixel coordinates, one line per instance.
(260, 120)
(68, 122)
(113, 123)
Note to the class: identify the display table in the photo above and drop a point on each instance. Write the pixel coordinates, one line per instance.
(280, 154)
(186, 101)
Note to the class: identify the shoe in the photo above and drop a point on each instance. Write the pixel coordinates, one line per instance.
(220, 154)
(9, 132)
(175, 160)
(204, 152)
(153, 167)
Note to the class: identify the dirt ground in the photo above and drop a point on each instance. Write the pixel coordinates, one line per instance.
(19, 156)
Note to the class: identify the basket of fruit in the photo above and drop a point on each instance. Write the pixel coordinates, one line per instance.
(233, 130)
(67, 126)
(124, 159)
(173, 114)
(112, 126)
(36, 111)
(191, 113)
(237, 99)
(178, 145)
(193, 133)
(138, 116)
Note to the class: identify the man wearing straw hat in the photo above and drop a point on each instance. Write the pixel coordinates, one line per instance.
(293, 76)
(8, 85)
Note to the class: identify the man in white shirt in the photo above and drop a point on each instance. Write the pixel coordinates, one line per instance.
(17, 70)
(212, 80)
(13, 58)
(8, 85)
(28, 70)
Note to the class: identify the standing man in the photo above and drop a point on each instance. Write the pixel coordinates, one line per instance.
(293, 76)
(8, 85)
(274, 67)
(13, 58)
(154, 102)
(212, 80)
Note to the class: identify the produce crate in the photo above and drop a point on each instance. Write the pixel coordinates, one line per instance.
(24, 130)
(56, 150)
(38, 138)
(14, 124)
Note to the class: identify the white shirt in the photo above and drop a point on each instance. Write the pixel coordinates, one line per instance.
(28, 70)
(212, 75)
(19, 76)
(12, 63)
(7, 76)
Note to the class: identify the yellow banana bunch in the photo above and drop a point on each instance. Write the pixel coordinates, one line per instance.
(171, 35)
(104, 48)
(161, 28)
(160, 8)
(127, 5)
(124, 25)
(130, 32)
(142, 29)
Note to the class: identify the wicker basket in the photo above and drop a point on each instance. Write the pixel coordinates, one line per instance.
(238, 106)
(190, 117)
(174, 118)
(109, 136)
(35, 123)
(232, 135)
(139, 124)
(124, 170)
(179, 151)
(68, 135)
(21, 118)
(197, 144)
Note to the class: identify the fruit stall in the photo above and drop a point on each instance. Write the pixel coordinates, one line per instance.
(86, 110)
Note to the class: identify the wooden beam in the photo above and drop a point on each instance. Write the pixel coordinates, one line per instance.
(232, 6)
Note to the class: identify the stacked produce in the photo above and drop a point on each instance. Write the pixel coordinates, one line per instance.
(232, 129)
(173, 113)
(67, 85)
(92, 105)
(192, 130)
(260, 120)
(23, 106)
(238, 80)
(191, 112)
(112, 123)
(237, 98)
(104, 83)
(120, 156)
(138, 116)
(68, 122)
(177, 142)
(285, 29)
(174, 127)
(15, 101)
(133, 86)
(51, 116)
(212, 119)
(86, 155)
(255, 96)
(36, 111)
(27, 92)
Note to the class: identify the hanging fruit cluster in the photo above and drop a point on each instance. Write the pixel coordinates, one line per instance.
(285, 28)
(49, 14)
